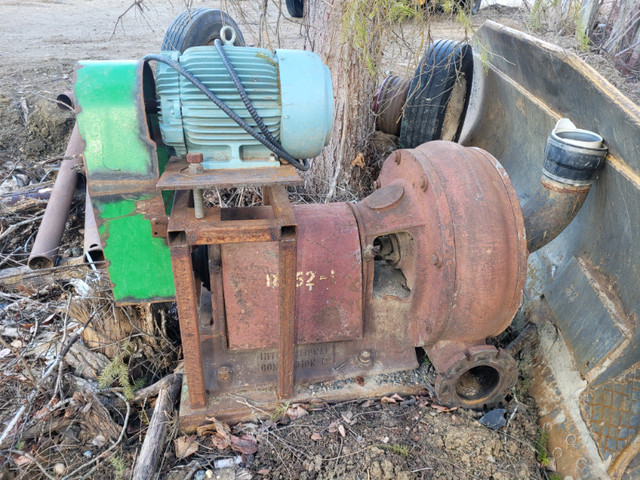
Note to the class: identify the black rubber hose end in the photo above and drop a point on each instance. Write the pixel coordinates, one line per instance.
(569, 163)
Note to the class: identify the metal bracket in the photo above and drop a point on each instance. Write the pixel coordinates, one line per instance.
(185, 231)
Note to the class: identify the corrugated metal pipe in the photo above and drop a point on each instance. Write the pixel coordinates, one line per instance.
(571, 159)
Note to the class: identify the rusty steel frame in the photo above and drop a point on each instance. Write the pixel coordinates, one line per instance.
(279, 200)
(185, 231)
(176, 176)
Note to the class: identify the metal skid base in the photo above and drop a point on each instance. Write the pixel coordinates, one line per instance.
(254, 404)
(241, 384)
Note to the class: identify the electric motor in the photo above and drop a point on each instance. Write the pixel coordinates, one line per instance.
(291, 90)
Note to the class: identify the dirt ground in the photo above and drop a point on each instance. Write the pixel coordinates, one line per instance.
(396, 438)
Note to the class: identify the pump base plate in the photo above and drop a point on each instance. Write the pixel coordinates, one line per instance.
(255, 404)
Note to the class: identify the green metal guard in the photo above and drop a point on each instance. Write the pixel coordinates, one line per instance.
(122, 171)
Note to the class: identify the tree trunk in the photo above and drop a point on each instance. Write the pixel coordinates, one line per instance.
(113, 326)
(331, 35)
(623, 41)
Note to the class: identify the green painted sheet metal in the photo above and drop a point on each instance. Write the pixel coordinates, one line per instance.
(122, 169)
(112, 119)
(140, 265)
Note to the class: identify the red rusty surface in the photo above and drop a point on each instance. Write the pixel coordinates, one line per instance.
(278, 199)
(384, 345)
(435, 257)
(277, 222)
(328, 282)
(186, 296)
(465, 253)
(286, 314)
(176, 176)
(476, 377)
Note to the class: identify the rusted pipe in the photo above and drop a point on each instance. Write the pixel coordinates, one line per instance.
(572, 157)
(45, 247)
(389, 102)
(92, 246)
(66, 101)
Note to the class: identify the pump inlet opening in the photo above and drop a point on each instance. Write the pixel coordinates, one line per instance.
(477, 383)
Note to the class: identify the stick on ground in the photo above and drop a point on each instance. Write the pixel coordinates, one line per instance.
(151, 450)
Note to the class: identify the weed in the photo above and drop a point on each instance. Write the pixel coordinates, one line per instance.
(366, 25)
(541, 447)
(400, 11)
(524, 385)
(397, 449)
(447, 6)
(464, 20)
(119, 465)
(279, 411)
(144, 418)
(581, 32)
(118, 370)
(538, 10)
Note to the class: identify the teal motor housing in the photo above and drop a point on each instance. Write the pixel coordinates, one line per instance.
(290, 89)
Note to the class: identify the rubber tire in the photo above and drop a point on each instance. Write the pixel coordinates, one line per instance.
(430, 92)
(295, 8)
(197, 27)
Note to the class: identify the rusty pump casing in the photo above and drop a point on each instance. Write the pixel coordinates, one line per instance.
(461, 248)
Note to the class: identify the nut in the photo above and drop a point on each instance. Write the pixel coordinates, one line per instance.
(365, 357)
(224, 373)
(195, 168)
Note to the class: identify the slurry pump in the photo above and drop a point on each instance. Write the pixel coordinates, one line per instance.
(276, 297)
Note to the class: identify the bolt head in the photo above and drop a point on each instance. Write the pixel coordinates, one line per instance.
(195, 157)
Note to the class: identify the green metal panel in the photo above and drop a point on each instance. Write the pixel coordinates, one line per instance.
(111, 118)
(140, 265)
(122, 170)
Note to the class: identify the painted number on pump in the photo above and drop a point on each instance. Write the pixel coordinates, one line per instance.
(303, 279)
